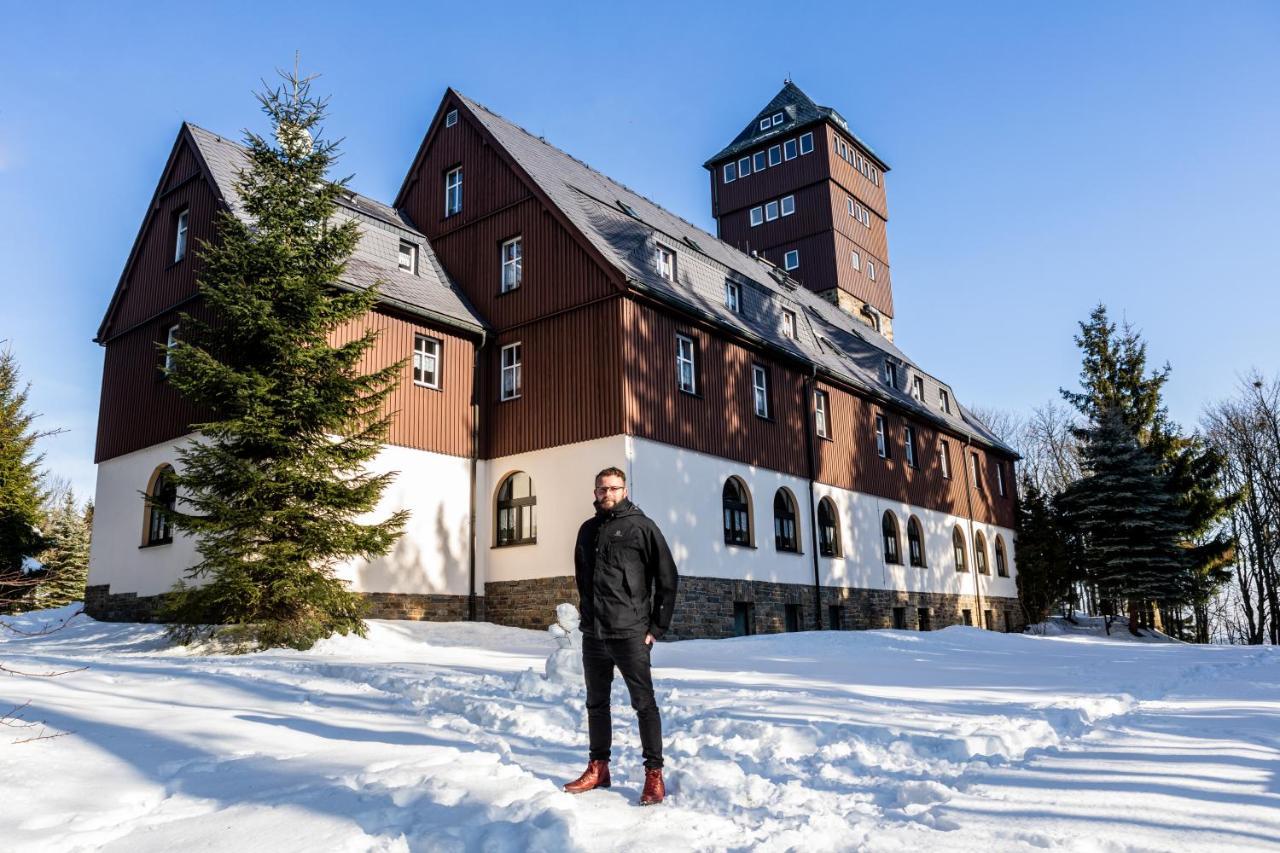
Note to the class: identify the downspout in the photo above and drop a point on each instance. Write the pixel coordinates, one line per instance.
(969, 474)
(813, 516)
(475, 452)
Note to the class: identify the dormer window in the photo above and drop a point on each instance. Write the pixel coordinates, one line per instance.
(766, 123)
(890, 374)
(944, 400)
(180, 241)
(917, 388)
(451, 118)
(408, 257)
(732, 296)
(778, 118)
(665, 261)
(789, 324)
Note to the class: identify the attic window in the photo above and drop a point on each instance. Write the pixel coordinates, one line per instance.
(665, 260)
(451, 118)
(890, 374)
(789, 323)
(766, 123)
(777, 119)
(408, 257)
(180, 240)
(627, 209)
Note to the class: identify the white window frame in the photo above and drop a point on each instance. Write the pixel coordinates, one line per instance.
(909, 443)
(732, 296)
(820, 417)
(170, 341)
(1000, 487)
(806, 143)
(512, 264)
(512, 360)
(759, 161)
(180, 239)
(730, 172)
(944, 400)
(411, 254)
(789, 324)
(744, 167)
(778, 118)
(766, 123)
(775, 155)
(890, 374)
(882, 438)
(973, 471)
(791, 260)
(426, 350)
(760, 389)
(790, 150)
(917, 388)
(787, 205)
(871, 270)
(770, 211)
(757, 215)
(665, 261)
(686, 360)
(855, 259)
(453, 191)
(451, 118)
(944, 458)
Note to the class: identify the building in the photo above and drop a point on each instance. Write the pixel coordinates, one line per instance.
(806, 472)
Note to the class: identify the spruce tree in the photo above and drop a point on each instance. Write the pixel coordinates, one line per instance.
(22, 492)
(66, 559)
(272, 487)
(1044, 566)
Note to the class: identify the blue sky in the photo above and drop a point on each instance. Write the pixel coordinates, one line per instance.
(1045, 156)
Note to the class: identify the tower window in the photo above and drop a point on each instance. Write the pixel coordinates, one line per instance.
(180, 242)
(775, 155)
(770, 211)
(758, 161)
(778, 119)
(730, 172)
(791, 260)
(806, 143)
(766, 123)
(788, 205)
(512, 264)
(744, 167)
(757, 216)
(453, 192)
(171, 341)
(789, 150)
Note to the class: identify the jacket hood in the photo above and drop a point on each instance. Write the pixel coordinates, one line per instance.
(624, 508)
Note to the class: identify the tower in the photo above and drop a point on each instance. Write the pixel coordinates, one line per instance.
(801, 189)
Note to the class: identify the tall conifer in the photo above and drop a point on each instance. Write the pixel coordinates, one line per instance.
(66, 559)
(22, 491)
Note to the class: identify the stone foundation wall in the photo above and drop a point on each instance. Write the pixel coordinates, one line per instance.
(528, 603)
(105, 606)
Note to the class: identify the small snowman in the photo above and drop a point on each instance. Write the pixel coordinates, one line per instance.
(565, 663)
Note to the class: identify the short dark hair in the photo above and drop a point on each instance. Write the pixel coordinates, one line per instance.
(612, 472)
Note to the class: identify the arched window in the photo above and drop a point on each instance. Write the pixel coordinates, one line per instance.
(737, 512)
(828, 529)
(957, 545)
(517, 511)
(1002, 561)
(915, 542)
(784, 522)
(980, 554)
(162, 494)
(889, 527)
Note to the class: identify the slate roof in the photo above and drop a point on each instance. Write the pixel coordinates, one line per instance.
(625, 227)
(798, 110)
(377, 255)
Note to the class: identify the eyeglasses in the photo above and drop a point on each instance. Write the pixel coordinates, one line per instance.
(600, 490)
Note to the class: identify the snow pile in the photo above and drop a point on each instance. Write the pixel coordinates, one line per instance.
(449, 737)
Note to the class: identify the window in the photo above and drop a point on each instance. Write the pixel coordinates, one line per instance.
(856, 260)
(789, 150)
(806, 143)
(834, 618)
(784, 522)
(788, 324)
(180, 240)
(900, 618)
(890, 374)
(1002, 560)
(777, 119)
(665, 260)
(170, 341)
(744, 618)
(957, 546)
(757, 216)
(730, 172)
(744, 167)
(944, 459)
(732, 296)
(451, 118)
(760, 389)
(944, 400)
(512, 264)
(775, 155)
(889, 530)
(917, 388)
(923, 620)
(980, 554)
(988, 620)
(426, 361)
(453, 192)
(909, 445)
(686, 365)
(791, 617)
(517, 511)
(409, 257)
(770, 211)
(511, 355)
(828, 529)
(915, 543)
(967, 614)
(758, 161)
(882, 442)
(791, 260)
(973, 472)
(737, 512)
(871, 270)
(788, 205)
(1000, 479)
(162, 495)
(820, 417)
(766, 123)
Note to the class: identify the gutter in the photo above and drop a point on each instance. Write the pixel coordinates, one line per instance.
(810, 393)
(475, 453)
(973, 542)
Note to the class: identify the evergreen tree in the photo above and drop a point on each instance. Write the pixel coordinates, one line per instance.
(273, 486)
(22, 491)
(1044, 566)
(66, 559)
(1126, 517)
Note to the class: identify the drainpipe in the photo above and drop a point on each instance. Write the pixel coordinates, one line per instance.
(810, 388)
(475, 452)
(969, 474)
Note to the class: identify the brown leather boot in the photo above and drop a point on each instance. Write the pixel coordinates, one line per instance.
(595, 776)
(654, 788)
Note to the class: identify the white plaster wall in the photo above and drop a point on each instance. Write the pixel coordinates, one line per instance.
(431, 557)
(563, 479)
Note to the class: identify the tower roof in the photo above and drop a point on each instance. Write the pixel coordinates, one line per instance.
(798, 110)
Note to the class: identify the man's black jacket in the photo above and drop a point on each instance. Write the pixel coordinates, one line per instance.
(626, 577)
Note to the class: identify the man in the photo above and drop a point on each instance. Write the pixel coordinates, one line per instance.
(627, 589)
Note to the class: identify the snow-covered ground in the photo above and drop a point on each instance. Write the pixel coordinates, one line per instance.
(447, 737)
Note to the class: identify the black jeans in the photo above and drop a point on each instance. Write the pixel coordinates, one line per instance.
(631, 656)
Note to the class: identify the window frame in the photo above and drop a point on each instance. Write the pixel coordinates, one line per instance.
(512, 508)
(782, 205)
(974, 479)
(453, 192)
(980, 563)
(778, 118)
(891, 538)
(733, 296)
(780, 542)
(412, 255)
(182, 232)
(788, 324)
(909, 446)
(170, 341)
(162, 491)
(760, 392)
(765, 123)
(419, 337)
(944, 400)
(856, 259)
(692, 361)
(661, 255)
(744, 167)
(1002, 558)
(1001, 488)
(790, 150)
(451, 118)
(821, 414)
(882, 436)
(917, 388)
(944, 458)
(740, 508)
(787, 260)
(871, 270)
(915, 543)
(890, 373)
(770, 211)
(515, 368)
(806, 139)
(516, 262)
(757, 216)
(829, 540)
(959, 549)
(775, 155)
(730, 172)
(759, 161)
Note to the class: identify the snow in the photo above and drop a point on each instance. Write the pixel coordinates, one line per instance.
(448, 737)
